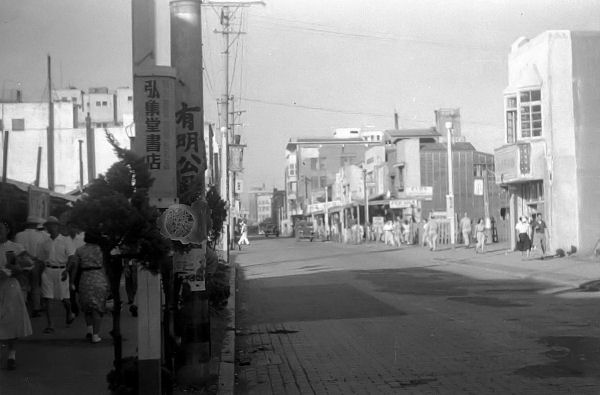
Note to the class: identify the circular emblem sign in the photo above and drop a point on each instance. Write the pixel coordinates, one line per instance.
(179, 222)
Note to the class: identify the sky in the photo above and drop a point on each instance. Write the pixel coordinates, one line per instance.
(304, 68)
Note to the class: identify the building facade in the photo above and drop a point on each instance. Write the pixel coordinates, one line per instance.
(549, 160)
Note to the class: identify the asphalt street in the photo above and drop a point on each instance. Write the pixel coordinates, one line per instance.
(325, 318)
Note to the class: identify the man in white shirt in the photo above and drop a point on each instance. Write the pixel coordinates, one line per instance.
(465, 228)
(55, 252)
(30, 239)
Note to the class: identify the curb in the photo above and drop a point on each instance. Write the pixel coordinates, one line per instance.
(227, 363)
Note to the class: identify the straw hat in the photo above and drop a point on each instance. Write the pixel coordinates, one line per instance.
(51, 220)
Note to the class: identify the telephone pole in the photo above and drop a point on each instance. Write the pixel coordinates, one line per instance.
(228, 9)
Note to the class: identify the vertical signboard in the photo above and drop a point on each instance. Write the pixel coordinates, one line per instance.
(39, 203)
(154, 112)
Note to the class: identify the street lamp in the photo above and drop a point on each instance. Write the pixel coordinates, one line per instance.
(364, 171)
(450, 196)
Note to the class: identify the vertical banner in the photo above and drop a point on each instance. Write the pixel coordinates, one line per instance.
(153, 95)
(236, 157)
(39, 203)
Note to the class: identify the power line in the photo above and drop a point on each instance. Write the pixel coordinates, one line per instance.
(306, 107)
(328, 30)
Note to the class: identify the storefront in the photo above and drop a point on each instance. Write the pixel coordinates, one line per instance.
(521, 169)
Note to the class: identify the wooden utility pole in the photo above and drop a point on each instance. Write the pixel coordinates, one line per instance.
(38, 166)
(226, 126)
(50, 130)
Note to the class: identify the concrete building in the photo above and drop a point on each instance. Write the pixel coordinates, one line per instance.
(549, 162)
(312, 164)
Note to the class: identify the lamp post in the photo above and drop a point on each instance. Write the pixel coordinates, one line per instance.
(450, 196)
(364, 171)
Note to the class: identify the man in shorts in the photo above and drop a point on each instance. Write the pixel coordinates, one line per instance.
(54, 252)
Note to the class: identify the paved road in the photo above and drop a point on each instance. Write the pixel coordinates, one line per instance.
(323, 318)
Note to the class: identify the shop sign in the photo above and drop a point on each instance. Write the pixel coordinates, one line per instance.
(402, 203)
(478, 187)
(154, 118)
(189, 267)
(378, 221)
(239, 185)
(236, 157)
(506, 163)
(39, 204)
(425, 192)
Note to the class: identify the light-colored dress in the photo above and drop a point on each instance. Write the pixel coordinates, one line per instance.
(93, 284)
(14, 318)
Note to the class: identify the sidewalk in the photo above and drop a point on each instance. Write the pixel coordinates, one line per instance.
(569, 271)
(64, 362)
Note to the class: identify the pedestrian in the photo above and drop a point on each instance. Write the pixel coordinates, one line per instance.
(243, 235)
(433, 234)
(397, 231)
(539, 233)
(55, 252)
(524, 242)
(465, 229)
(93, 284)
(405, 232)
(75, 237)
(480, 236)
(425, 232)
(14, 318)
(30, 238)
(388, 233)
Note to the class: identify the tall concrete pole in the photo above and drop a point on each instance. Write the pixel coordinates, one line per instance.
(186, 58)
(50, 130)
(450, 198)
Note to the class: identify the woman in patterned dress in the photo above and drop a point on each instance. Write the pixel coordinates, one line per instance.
(92, 284)
(14, 317)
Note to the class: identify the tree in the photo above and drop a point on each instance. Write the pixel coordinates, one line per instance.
(218, 214)
(116, 205)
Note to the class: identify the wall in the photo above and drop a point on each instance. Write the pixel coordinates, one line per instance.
(586, 102)
(124, 105)
(408, 151)
(100, 113)
(23, 147)
(36, 115)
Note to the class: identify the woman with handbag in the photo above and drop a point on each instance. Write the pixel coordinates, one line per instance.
(14, 317)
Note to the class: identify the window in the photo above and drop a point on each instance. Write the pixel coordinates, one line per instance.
(400, 179)
(18, 124)
(323, 181)
(531, 113)
(292, 169)
(129, 98)
(313, 163)
(97, 104)
(533, 191)
(524, 114)
(478, 169)
(322, 163)
(104, 104)
(511, 120)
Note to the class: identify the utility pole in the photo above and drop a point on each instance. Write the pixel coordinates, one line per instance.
(225, 125)
(50, 131)
(186, 58)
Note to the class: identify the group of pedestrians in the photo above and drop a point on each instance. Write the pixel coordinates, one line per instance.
(529, 232)
(42, 267)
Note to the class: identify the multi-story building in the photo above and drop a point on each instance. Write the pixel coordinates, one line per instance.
(549, 162)
(312, 164)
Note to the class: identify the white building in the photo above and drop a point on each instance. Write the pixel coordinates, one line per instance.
(549, 162)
